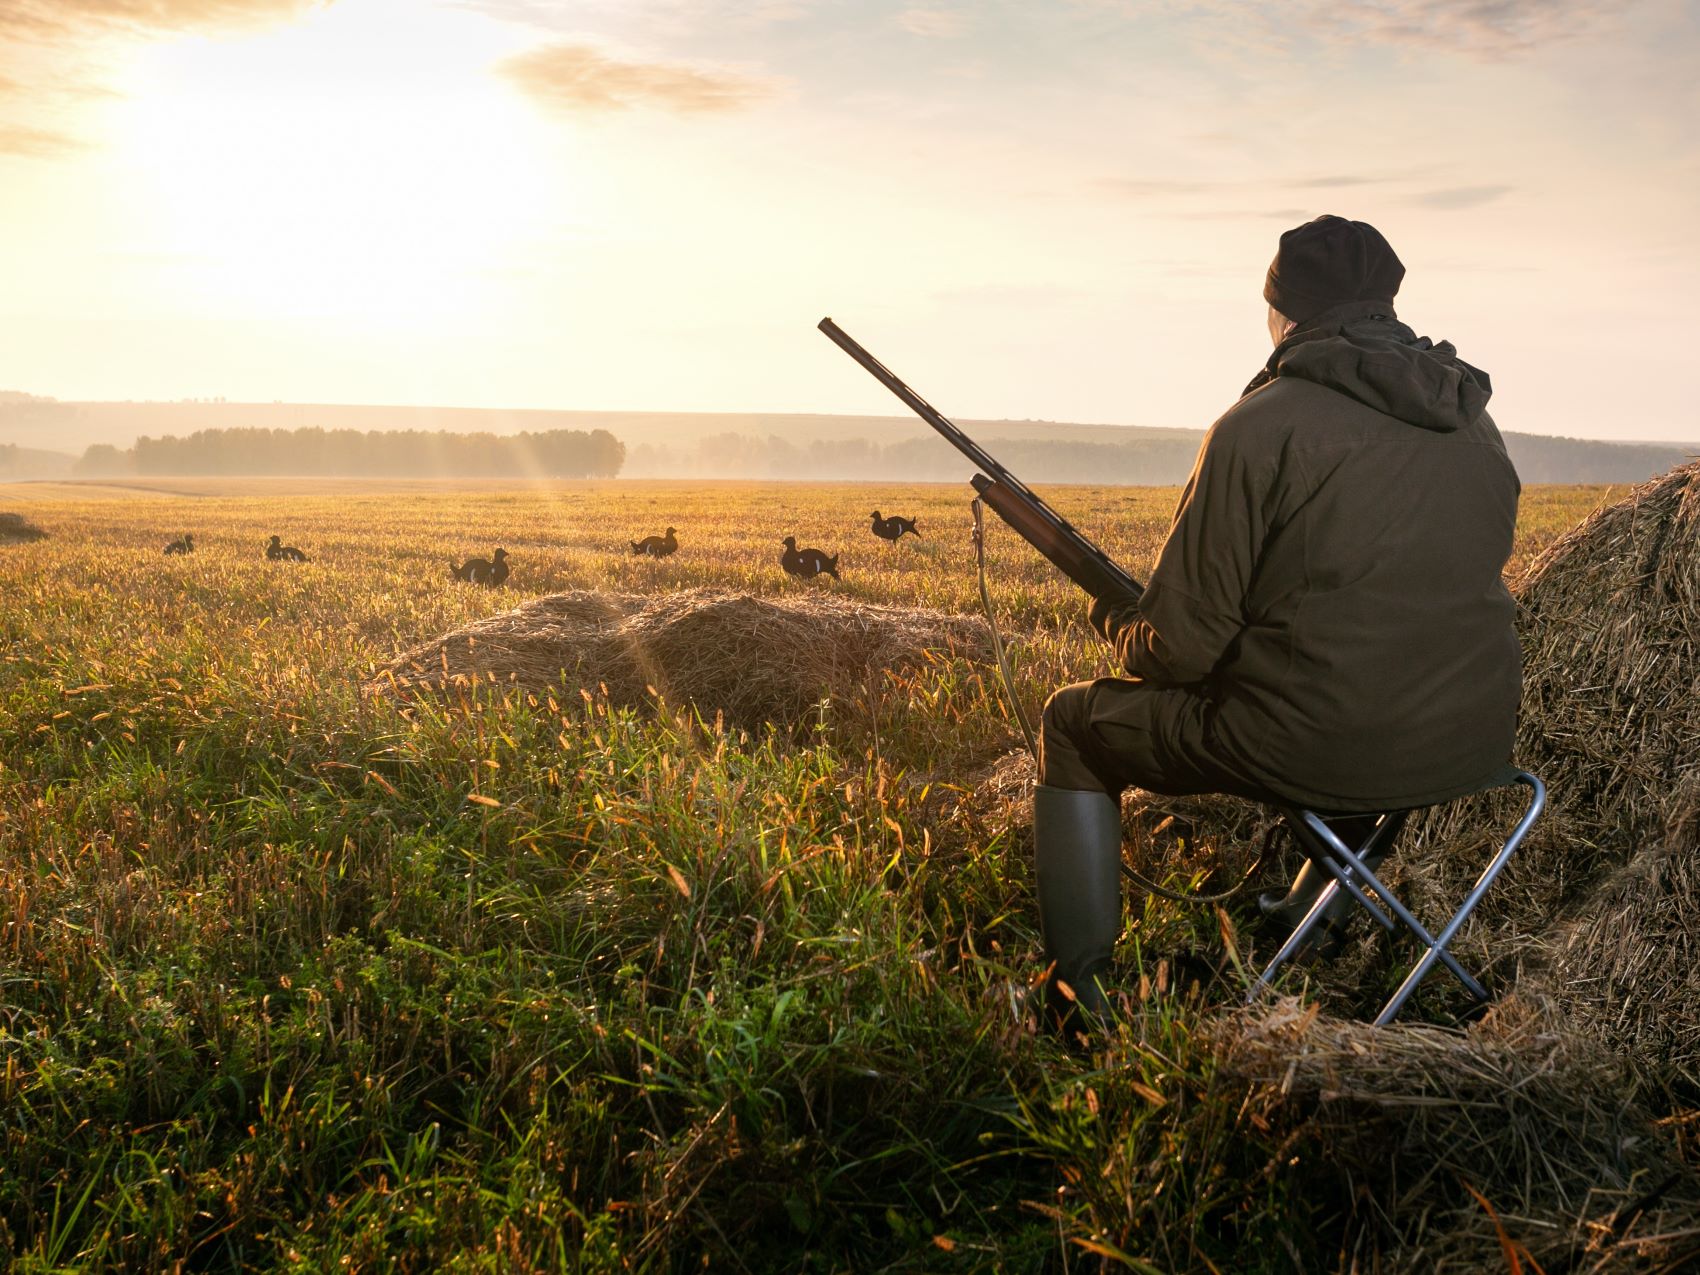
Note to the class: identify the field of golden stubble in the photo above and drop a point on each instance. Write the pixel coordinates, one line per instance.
(377, 580)
(98, 590)
(291, 975)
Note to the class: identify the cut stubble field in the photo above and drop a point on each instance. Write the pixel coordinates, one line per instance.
(293, 973)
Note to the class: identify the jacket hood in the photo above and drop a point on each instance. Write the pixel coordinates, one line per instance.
(1363, 351)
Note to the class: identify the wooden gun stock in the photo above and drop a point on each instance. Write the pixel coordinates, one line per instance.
(1085, 564)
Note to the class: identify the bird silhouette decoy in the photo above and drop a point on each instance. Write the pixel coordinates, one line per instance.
(892, 528)
(806, 564)
(656, 546)
(491, 572)
(277, 551)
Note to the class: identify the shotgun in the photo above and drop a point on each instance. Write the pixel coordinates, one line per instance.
(1010, 498)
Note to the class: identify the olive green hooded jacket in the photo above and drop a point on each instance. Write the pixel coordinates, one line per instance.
(1331, 583)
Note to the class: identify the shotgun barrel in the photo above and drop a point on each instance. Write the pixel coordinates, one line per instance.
(1010, 498)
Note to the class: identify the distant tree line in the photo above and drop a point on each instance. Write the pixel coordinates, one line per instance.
(1164, 459)
(1540, 458)
(314, 452)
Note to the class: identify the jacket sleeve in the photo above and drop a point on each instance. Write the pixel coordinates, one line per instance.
(1195, 605)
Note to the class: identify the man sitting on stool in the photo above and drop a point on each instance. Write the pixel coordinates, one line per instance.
(1326, 624)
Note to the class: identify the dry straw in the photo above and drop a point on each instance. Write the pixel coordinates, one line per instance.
(1627, 969)
(1550, 1106)
(1610, 621)
(755, 660)
(1460, 1150)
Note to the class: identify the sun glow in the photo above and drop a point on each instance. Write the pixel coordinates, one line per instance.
(362, 163)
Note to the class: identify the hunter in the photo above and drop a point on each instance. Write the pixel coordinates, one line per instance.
(1326, 624)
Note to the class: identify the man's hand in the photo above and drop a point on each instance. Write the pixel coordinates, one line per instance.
(1113, 612)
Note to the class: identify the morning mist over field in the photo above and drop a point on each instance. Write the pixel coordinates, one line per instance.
(126, 440)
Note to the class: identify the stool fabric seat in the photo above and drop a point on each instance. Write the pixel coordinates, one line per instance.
(1345, 864)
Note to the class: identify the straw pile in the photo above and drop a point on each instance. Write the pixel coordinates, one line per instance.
(1610, 617)
(754, 660)
(1610, 621)
(1405, 1123)
(15, 529)
(1627, 971)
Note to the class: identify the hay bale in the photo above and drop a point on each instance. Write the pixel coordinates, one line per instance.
(15, 529)
(1404, 1121)
(1609, 616)
(1626, 969)
(755, 660)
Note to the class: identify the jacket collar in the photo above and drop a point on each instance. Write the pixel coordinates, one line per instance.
(1326, 324)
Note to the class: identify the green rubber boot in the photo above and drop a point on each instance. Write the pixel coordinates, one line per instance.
(1077, 851)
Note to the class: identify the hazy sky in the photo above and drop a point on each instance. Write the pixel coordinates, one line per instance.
(1028, 208)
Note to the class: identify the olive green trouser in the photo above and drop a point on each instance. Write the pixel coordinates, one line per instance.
(1115, 733)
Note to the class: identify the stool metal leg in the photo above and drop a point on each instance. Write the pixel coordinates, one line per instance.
(1294, 940)
(1335, 847)
(1537, 801)
(1321, 855)
(1324, 848)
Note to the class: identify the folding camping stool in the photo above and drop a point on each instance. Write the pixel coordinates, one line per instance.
(1345, 864)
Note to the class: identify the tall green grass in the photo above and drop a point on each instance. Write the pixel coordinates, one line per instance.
(296, 977)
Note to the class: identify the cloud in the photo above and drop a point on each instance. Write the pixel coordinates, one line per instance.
(938, 24)
(63, 17)
(1022, 295)
(1289, 215)
(50, 50)
(1488, 29)
(577, 77)
(1455, 198)
(1136, 188)
(1205, 200)
(19, 139)
(668, 20)
(1492, 28)
(762, 12)
(1333, 183)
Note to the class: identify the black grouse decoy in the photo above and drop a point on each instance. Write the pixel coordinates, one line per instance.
(807, 563)
(656, 546)
(892, 528)
(277, 551)
(185, 545)
(492, 572)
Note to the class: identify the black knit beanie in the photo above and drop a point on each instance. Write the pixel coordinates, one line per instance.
(1330, 262)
